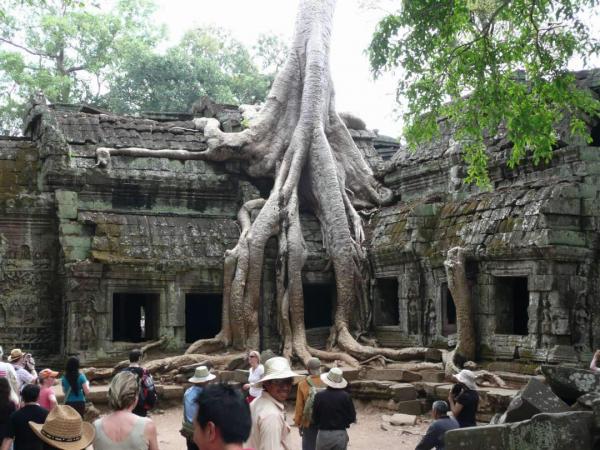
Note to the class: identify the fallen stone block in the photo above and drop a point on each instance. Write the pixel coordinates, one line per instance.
(391, 375)
(413, 407)
(371, 389)
(535, 398)
(569, 383)
(562, 431)
(351, 374)
(400, 419)
(586, 402)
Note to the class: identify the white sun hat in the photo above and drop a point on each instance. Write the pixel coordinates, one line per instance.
(202, 375)
(334, 378)
(277, 368)
(467, 378)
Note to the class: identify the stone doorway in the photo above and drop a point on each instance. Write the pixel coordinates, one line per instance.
(448, 311)
(135, 316)
(202, 316)
(318, 305)
(512, 302)
(387, 310)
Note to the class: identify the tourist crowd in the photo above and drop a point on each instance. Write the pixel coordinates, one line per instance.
(215, 415)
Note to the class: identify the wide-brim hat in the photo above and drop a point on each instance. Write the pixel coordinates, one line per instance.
(15, 354)
(467, 378)
(64, 429)
(277, 368)
(202, 375)
(334, 378)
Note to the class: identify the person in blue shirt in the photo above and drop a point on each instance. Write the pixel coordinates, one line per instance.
(75, 386)
(434, 438)
(201, 377)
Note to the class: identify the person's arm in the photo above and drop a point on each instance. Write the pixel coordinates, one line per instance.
(455, 406)
(429, 440)
(151, 435)
(300, 401)
(52, 400)
(593, 364)
(6, 443)
(85, 385)
(270, 429)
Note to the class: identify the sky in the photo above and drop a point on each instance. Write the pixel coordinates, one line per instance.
(354, 22)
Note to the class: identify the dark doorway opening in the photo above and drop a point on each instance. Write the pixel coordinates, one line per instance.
(202, 316)
(595, 134)
(318, 305)
(512, 302)
(448, 311)
(135, 317)
(387, 311)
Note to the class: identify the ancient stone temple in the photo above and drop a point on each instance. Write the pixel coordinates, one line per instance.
(97, 256)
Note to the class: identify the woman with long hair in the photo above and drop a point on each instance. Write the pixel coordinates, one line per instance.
(75, 386)
(7, 406)
(121, 429)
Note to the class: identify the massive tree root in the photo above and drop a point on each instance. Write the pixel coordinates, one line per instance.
(458, 285)
(299, 140)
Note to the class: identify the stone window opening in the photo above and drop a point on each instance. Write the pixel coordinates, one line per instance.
(595, 134)
(135, 316)
(512, 302)
(203, 315)
(387, 311)
(318, 305)
(448, 311)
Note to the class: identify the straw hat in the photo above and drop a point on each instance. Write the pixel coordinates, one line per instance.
(277, 368)
(334, 378)
(202, 375)
(467, 378)
(64, 429)
(15, 354)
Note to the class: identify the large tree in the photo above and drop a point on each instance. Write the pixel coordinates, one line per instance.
(206, 62)
(489, 63)
(299, 140)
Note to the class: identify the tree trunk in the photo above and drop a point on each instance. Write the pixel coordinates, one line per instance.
(299, 140)
(458, 284)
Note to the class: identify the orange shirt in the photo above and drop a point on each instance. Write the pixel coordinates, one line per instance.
(301, 396)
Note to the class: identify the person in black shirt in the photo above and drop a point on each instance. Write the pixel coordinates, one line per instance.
(464, 399)
(333, 412)
(147, 398)
(19, 430)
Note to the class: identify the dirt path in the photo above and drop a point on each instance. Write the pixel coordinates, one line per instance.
(366, 434)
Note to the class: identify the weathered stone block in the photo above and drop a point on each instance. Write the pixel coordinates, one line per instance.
(391, 375)
(433, 376)
(570, 384)
(562, 431)
(400, 419)
(67, 204)
(535, 398)
(410, 407)
(402, 392)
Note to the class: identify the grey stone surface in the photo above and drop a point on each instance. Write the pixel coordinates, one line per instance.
(560, 431)
(535, 398)
(569, 383)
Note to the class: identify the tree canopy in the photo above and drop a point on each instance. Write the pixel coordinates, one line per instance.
(484, 64)
(75, 52)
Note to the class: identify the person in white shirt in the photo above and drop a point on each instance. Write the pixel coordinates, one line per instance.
(8, 371)
(256, 372)
(270, 430)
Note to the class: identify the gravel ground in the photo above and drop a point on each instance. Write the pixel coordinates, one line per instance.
(366, 434)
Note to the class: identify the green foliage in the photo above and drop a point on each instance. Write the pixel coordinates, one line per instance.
(65, 48)
(487, 64)
(207, 61)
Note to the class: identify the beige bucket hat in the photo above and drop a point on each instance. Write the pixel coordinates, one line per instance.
(202, 375)
(64, 429)
(467, 378)
(277, 368)
(334, 378)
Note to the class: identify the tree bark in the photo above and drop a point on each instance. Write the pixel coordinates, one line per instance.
(299, 140)
(458, 285)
